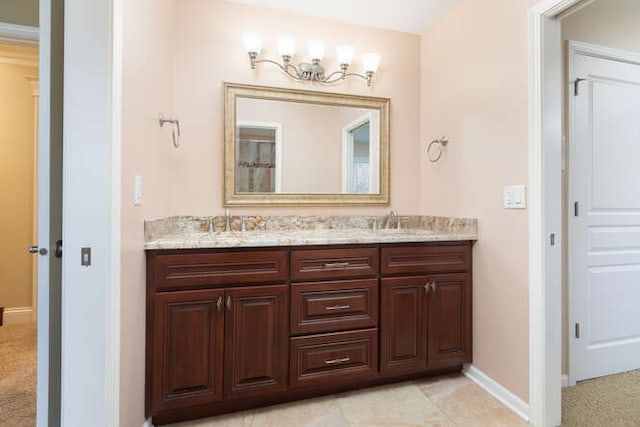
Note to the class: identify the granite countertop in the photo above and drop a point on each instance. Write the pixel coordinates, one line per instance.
(204, 232)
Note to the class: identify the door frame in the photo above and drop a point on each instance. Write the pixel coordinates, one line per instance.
(545, 201)
(574, 49)
(277, 126)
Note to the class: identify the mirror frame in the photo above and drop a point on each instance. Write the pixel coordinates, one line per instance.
(233, 91)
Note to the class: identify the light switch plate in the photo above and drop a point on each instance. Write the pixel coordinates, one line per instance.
(515, 197)
(137, 190)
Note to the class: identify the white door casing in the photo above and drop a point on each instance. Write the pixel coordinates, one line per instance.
(604, 233)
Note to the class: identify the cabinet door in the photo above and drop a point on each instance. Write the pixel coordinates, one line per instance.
(403, 332)
(449, 320)
(188, 348)
(256, 341)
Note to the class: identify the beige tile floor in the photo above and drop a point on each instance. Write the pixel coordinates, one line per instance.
(439, 402)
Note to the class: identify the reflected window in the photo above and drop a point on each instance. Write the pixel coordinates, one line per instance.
(257, 169)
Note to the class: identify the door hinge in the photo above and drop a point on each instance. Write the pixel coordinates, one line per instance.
(577, 332)
(575, 208)
(576, 84)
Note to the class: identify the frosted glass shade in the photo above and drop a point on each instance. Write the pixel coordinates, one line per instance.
(345, 54)
(370, 62)
(286, 46)
(252, 43)
(316, 50)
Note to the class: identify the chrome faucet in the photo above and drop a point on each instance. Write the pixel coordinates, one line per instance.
(393, 213)
(227, 221)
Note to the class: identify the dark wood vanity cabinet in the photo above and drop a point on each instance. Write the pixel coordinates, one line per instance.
(426, 317)
(240, 328)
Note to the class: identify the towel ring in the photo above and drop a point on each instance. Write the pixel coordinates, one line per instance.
(176, 126)
(441, 143)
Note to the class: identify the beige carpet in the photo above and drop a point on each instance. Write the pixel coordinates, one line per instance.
(608, 401)
(18, 375)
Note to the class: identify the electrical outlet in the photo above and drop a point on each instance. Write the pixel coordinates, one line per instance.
(515, 197)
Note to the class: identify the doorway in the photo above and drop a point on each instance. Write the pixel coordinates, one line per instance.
(546, 235)
(19, 86)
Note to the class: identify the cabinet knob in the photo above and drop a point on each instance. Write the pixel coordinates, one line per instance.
(228, 302)
(433, 286)
(219, 303)
(427, 287)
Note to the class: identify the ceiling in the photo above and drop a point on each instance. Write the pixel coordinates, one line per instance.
(409, 16)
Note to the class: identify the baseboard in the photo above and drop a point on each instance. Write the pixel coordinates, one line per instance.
(565, 380)
(18, 315)
(147, 423)
(507, 398)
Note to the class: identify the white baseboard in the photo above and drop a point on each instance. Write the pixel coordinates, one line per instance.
(17, 315)
(147, 423)
(565, 380)
(507, 398)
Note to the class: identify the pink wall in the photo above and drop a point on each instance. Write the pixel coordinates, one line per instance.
(146, 151)
(474, 91)
(209, 51)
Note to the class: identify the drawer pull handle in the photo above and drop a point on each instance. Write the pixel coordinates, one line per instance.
(336, 361)
(336, 264)
(337, 307)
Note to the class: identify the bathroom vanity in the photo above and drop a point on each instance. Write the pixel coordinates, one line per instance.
(248, 325)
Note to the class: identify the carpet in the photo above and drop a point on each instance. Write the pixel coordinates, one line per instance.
(18, 375)
(613, 400)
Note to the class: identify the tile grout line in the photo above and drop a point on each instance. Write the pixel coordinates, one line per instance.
(415, 382)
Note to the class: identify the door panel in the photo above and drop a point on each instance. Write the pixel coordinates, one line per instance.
(256, 341)
(402, 325)
(188, 344)
(604, 230)
(449, 320)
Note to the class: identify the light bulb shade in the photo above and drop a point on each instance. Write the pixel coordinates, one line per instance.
(370, 62)
(252, 43)
(286, 46)
(345, 54)
(316, 50)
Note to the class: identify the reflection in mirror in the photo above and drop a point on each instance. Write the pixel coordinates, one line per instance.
(299, 147)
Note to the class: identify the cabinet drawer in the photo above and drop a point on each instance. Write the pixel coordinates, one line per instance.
(329, 358)
(176, 271)
(425, 259)
(334, 306)
(334, 263)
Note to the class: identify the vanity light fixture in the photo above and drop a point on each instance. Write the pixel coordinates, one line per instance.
(313, 71)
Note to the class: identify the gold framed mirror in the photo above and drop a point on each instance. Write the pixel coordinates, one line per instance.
(296, 147)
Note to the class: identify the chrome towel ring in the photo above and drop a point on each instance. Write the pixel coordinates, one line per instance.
(175, 127)
(438, 144)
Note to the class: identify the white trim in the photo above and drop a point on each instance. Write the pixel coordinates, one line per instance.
(603, 52)
(277, 126)
(503, 395)
(564, 380)
(373, 118)
(18, 315)
(19, 33)
(44, 156)
(113, 306)
(545, 69)
(90, 370)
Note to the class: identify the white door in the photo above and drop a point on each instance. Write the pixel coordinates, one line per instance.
(604, 211)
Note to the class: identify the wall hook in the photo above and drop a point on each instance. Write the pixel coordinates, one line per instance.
(441, 143)
(175, 130)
